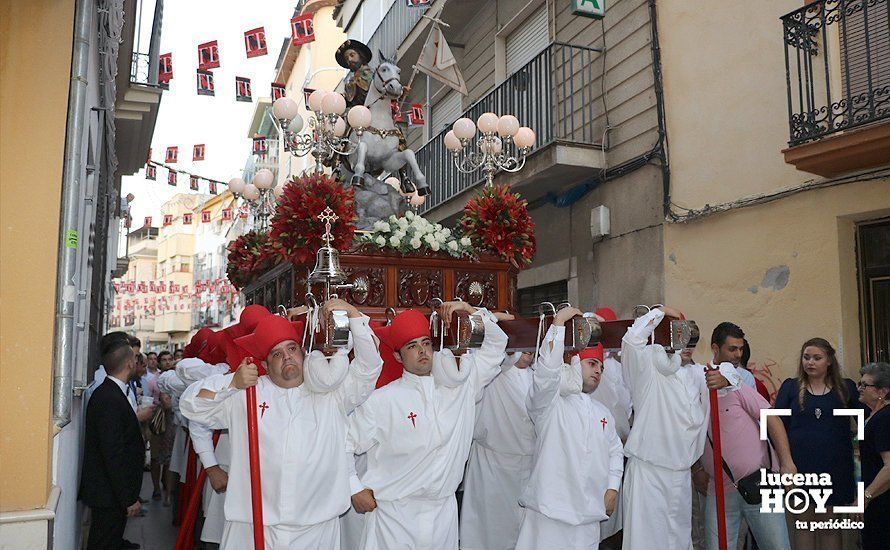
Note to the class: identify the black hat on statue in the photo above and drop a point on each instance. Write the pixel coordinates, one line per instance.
(350, 44)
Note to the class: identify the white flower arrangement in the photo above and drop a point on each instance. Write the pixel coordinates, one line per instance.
(413, 232)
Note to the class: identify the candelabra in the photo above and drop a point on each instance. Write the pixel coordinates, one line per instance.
(260, 194)
(327, 129)
(502, 145)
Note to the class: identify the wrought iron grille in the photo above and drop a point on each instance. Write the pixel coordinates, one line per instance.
(552, 94)
(837, 66)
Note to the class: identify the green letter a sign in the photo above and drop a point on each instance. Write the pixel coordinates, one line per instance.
(589, 8)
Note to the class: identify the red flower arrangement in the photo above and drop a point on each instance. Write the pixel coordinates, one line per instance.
(296, 232)
(497, 221)
(249, 256)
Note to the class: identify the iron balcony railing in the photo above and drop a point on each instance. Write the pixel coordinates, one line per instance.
(394, 28)
(146, 42)
(553, 94)
(837, 66)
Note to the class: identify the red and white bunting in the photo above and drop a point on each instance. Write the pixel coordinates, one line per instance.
(302, 30)
(205, 216)
(198, 152)
(151, 172)
(171, 178)
(193, 183)
(147, 221)
(208, 55)
(211, 186)
(227, 214)
(186, 219)
(242, 89)
(165, 68)
(168, 219)
(415, 116)
(172, 155)
(259, 146)
(277, 91)
(205, 83)
(255, 42)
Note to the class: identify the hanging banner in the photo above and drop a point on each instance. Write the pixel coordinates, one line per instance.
(151, 172)
(277, 91)
(147, 221)
(415, 117)
(165, 69)
(211, 186)
(396, 113)
(171, 178)
(205, 216)
(242, 89)
(227, 214)
(172, 155)
(208, 55)
(259, 145)
(255, 42)
(302, 31)
(193, 183)
(242, 212)
(186, 220)
(168, 219)
(205, 83)
(198, 152)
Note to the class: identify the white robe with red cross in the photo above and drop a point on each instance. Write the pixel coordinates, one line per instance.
(303, 460)
(417, 432)
(578, 457)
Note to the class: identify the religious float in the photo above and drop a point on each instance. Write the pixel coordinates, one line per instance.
(351, 228)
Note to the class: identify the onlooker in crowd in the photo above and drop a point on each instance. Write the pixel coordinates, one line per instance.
(874, 451)
(821, 443)
(162, 435)
(177, 356)
(149, 380)
(110, 339)
(151, 362)
(113, 451)
(743, 453)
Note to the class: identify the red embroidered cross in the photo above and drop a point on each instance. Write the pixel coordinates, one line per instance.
(411, 417)
(263, 408)
(604, 422)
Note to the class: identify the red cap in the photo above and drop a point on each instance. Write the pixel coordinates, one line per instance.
(607, 313)
(271, 331)
(248, 321)
(392, 369)
(406, 326)
(198, 343)
(592, 353)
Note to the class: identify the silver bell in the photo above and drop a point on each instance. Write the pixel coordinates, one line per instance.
(327, 267)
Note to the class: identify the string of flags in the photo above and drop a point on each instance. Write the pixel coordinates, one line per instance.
(207, 292)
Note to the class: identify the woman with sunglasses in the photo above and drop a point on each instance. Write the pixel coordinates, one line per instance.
(874, 451)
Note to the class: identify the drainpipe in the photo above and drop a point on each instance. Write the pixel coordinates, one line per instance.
(64, 352)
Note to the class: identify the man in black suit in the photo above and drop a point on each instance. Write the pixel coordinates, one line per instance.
(113, 451)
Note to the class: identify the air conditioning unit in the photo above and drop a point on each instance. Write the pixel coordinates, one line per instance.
(599, 223)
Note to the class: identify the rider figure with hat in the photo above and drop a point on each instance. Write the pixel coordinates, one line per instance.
(355, 56)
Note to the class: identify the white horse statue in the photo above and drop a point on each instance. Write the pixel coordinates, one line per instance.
(378, 149)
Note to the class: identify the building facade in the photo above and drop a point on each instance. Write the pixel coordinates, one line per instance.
(94, 122)
(780, 216)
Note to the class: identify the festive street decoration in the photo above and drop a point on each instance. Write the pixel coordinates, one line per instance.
(198, 152)
(302, 29)
(259, 145)
(171, 177)
(205, 83)
(168, 219)
(296, 233)
(227, 214)
(211, 187)
(165, 70)
(187, 218)
(193, 183)
(242, 89)
(255, 42)
(151, 172)
(415, 115)
(205, 216)
(248, 256)
(497, 221)
(208, 55)
(147, 221)
(172, 155)
(278, 91)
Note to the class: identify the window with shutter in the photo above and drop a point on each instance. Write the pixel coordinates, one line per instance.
(865, 53)
(527, 40)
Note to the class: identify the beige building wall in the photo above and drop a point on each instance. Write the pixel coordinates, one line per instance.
(783, 270)
(311, 66)
(35, 61)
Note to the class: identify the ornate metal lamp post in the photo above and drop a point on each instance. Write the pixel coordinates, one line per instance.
(260, 194)
(502, 145)
(327, 129)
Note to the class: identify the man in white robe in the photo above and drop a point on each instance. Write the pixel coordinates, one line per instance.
(302, 429)
(214, 460)
(500, 460)
(671, 412)
(417, 432)
(578, 454)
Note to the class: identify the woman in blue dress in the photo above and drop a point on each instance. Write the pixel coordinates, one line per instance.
(821, 443)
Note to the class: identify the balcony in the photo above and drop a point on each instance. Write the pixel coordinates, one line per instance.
(396, 25)
(837, 66)
(550, 95)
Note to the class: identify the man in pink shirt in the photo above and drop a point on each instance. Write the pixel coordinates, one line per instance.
(744, 453)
